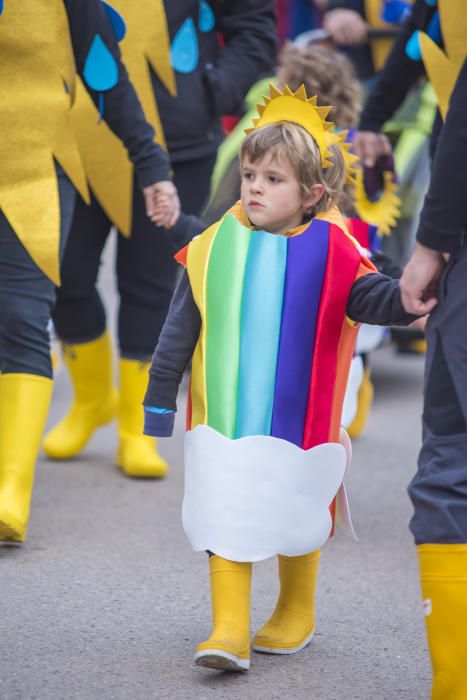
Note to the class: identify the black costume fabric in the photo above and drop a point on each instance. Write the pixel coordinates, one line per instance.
(439, 489)
(27, 296)
(222, 76)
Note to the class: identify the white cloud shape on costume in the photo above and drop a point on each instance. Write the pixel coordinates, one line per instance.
(258, 496)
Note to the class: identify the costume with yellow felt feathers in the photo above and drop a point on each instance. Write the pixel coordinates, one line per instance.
(43, 45)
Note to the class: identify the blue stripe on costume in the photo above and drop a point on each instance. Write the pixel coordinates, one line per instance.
(261, 310)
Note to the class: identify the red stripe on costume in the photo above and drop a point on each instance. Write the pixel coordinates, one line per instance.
(341, 269)
(344, 359)
(181, 256)
(360, 230)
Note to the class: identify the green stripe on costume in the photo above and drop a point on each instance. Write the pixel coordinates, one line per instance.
(223, 313)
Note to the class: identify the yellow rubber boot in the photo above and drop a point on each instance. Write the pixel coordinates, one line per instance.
(137, 453)
(443, 577)
(24, 404)
(292, 624)
(228, 647)
(364, 402)
(95, 398)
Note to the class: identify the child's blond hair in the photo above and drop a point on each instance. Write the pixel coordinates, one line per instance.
(295, 143)
(327, 74)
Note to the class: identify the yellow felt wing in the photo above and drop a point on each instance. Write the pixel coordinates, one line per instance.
(443, 67)
(146, 45)
(37, 82)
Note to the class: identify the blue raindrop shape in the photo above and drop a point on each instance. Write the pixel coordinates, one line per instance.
(1, 6)
(184, 52)
(116, 20)
(396, 11)
(206, 19)
(100, 68)
(413, 49)
(434, 28)
(431, 3)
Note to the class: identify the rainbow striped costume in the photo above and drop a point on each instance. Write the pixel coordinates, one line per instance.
(275, 347)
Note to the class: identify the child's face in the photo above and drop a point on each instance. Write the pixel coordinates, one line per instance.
(271, 194)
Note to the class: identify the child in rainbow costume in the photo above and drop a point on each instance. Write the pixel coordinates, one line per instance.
(268, 309)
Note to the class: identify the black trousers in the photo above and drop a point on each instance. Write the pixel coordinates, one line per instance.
(439, 489)
(146, 270)
(27, 296)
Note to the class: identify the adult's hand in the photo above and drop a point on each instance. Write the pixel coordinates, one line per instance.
(419, 281)
(166, 188)
(346, 27)
(320, 4)
(369, 146)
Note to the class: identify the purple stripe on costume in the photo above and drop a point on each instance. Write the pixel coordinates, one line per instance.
(306, 265)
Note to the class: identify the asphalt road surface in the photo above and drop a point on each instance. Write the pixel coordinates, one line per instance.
(107, 601)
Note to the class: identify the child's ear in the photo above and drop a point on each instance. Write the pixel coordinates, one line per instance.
(316, 192)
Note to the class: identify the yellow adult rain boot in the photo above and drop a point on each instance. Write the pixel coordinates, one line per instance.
(364, 402)
(24, 404)
(292, 624)
(95, 398)
(137, 454)
(228, 647)
(443, 578)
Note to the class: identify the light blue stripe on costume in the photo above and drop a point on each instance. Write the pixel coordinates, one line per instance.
(260, 330)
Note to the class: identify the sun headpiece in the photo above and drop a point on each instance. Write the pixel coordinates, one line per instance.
(296, 107)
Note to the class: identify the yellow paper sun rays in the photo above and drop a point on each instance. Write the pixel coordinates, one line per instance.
(146, 46)
(298, 108)
(350, 159)
(383, 212)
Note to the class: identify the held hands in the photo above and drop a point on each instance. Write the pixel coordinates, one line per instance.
(162, 203)
(369, 146)
(419, 281)
(346, 27)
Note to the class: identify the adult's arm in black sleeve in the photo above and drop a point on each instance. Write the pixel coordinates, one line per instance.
(187, 227)
(376, 299)
(355, 5)
(248, 28)
(443, 219)
(399, 74)
(122, 109)
(175, 348)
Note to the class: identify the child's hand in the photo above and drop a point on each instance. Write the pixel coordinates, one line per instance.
(162, 209)
(420, 323)
(167, 213)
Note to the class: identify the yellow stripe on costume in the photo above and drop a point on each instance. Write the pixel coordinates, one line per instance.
(197, 267)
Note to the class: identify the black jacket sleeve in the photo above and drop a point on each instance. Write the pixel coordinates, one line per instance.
(248, 29)
(187, 227)
(399, 74)
(175, 348)
(122, 109)
(443, 220)
(376, 299)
